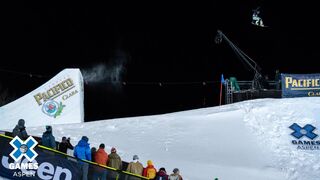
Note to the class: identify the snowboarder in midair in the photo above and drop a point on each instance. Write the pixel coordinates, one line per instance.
(256, 20)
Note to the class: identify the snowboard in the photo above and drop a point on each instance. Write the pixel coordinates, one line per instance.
(259, 25)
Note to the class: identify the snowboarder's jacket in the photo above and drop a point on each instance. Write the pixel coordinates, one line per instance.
(48, 140)
(135, 168)
(101, 157)
(175, 177)
(82, 150)
(150, 172)
(162, 175)
(20, 130)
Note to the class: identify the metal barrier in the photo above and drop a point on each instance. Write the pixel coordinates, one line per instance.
(246, 91)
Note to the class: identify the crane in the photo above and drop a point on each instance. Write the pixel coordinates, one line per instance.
(256, 83)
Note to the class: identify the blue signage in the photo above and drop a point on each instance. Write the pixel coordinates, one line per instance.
(300, 85)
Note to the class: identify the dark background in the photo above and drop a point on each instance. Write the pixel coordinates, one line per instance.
(166, 42)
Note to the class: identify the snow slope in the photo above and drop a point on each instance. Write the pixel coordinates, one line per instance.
(243, 141)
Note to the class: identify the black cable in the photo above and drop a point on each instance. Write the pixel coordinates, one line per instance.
(162, 83)
(24, 73)
(122, 82)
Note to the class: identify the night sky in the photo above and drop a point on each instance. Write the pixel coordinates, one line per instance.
(166, 42)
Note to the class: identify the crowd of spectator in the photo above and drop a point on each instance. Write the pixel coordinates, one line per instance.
(83, 151)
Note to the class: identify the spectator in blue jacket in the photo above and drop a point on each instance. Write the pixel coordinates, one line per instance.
(82, 151)
(48, 139)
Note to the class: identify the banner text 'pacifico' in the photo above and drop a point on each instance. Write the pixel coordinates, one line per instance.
(54, 92)
(301, 83)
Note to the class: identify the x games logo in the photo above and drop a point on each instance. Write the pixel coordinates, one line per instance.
(307, 131)
(23, 148)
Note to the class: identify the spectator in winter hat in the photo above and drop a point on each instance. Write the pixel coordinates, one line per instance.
(20, 130)
(48, 139)
(176, 175)
(135, 157)
(82, 151)
(149, 172)
(92, 169)
(135, 167)
(101, 157)
(93, 153)
(65, 145)
(162, 174)
(114, 162)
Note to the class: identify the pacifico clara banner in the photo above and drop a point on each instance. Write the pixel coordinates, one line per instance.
(300, 85)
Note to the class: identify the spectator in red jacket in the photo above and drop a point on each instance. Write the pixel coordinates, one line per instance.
(101, 157)
(150, 172)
